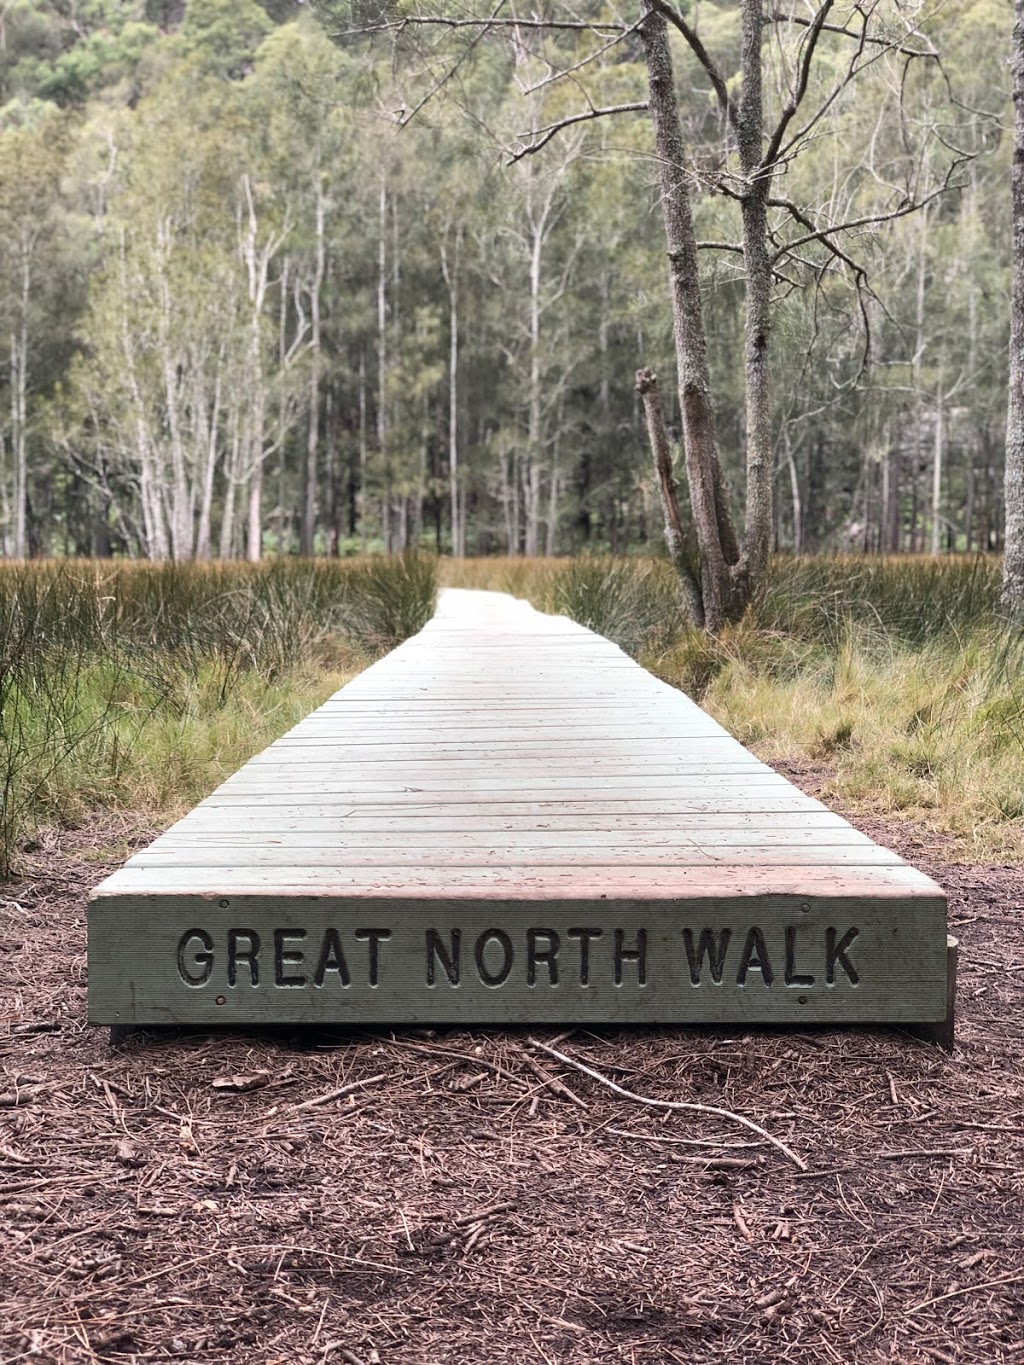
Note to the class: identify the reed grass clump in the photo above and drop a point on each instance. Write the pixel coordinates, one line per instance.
(895, 678)
(139, 683)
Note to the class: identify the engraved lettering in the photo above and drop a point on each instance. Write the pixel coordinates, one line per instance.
(499, 937)
(374, 937)
(332, 959)
(755, 955)
(793, 977)
(243, 946)
(637, 955)
(449, 960)
(586, 937)
(835, 953)
(285, 957)
(195, 964)
(707, 947)
(548, 955)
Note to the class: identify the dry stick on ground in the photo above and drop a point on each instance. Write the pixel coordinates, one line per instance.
(552, 1083)
(797, 1161)
(967, 1289)
(335, 1094)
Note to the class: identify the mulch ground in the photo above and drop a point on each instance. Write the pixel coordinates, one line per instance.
(202, 1197)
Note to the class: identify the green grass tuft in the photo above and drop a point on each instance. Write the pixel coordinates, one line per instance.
(126, 684)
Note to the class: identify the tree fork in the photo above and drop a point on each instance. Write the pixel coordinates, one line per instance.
(675, 540)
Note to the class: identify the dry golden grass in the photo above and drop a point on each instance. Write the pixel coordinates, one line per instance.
(894, 677)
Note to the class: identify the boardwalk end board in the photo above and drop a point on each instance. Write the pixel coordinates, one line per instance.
(507, 820)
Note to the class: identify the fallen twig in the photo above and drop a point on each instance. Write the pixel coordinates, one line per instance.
(550, 1082)
(925, 1151)
(967, 1289)
(336, 1094)
(787, 1152)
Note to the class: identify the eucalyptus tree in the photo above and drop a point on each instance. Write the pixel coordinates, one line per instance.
(773, 99)
(1013, 564)
(32, 151)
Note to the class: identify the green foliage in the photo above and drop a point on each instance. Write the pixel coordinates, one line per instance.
(388, 600)
(224, 35)
(896, 679)
(175, 241)
(102, 664)
(631, 602)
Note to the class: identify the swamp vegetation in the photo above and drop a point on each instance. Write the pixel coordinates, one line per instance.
(140, 687)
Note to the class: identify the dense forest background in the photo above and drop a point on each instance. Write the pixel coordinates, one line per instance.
(259, 294)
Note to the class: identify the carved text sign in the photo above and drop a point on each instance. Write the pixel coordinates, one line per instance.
(317, 960)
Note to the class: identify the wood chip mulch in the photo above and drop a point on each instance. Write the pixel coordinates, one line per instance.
(462, 1197)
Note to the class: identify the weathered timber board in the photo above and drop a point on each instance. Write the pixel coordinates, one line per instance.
(309, 958)
(507, 819)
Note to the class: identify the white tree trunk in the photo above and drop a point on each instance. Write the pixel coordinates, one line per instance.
(1013, 563)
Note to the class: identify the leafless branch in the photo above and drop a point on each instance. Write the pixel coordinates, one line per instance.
(779, 18)
(860, 274)
(542, 136)
(557, 75)
(452, 70)
(800, 89)
(440, 21)
(824, 234)
(698, 49)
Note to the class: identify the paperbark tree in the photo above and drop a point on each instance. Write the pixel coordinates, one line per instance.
(1013, 563)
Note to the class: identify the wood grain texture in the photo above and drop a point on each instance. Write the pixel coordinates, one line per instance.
(506, 819)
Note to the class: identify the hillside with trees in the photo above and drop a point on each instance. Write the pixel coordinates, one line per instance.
(266, 292)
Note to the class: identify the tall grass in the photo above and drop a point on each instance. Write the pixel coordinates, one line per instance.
(125, 682)
(894, 679)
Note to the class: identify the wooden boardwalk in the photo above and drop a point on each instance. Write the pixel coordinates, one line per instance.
(508, 819)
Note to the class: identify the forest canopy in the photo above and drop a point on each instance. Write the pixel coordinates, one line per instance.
(263, 291)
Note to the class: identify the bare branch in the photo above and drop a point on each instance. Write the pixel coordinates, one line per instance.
(440, 21)
(816, 234)
(543, 136)
(698, 49)
(800, 89)
(779, 18)
(477, 39)
(557, 75)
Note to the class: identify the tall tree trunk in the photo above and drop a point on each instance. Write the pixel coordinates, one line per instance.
(715, 537)
(19, 409)
(382, 361)
(450, 270)
(209, 470)
(794, 487)
(18, 449)
(361, 499)
(307, 533)
(331, 473)
(675, 539)
(535, 397)
(1013, 563)
(757, 186)
(231, 481)
(551, 525)
(940, 435)
(6, 494)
